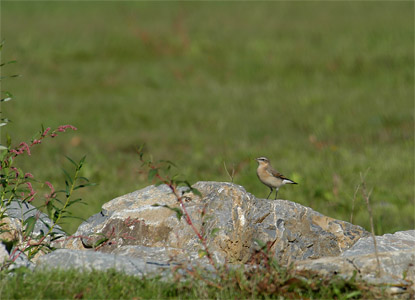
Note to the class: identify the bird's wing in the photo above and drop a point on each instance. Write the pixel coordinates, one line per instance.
(282, 177)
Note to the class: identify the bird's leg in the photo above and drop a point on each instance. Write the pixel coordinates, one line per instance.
(276, 192)
(269, 193)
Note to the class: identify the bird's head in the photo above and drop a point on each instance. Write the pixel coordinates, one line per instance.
(262, 161)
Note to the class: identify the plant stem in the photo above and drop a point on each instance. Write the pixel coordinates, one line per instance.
(61, 211)
(366, 196)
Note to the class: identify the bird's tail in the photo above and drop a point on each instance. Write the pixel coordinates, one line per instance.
(289, 181)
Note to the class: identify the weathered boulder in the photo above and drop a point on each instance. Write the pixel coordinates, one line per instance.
(396, 254)
(293, 231)
(13, 231)
(399, 241)
(138, 235)
(92, 260)
(19, 211)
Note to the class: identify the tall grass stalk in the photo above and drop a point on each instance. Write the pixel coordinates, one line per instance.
(366, 196)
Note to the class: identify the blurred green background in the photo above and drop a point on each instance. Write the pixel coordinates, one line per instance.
(323, 89)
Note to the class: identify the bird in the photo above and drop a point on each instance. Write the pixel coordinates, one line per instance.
(270, 177)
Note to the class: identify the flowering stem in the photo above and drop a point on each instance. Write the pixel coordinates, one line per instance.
(188, 219)
(61, 211)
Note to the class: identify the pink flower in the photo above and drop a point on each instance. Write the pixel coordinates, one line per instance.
(23, 146)
(17, 152)
(52, 191)
(32, 192)
(28, 175)
(46, 131)
(62, 128)
(35, 142)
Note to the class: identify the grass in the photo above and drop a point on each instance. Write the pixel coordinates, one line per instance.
(324, 89)
(72, 284)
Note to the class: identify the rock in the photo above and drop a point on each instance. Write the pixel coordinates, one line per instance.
(140, 233)
(14, 261)
(399, 241)
(3, 253)
(20, 259)
(396, 253)
(151, 254)
(293, 231)
(92, 260)
(17, 210)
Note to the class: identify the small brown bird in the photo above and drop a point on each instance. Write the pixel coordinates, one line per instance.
(270, 177)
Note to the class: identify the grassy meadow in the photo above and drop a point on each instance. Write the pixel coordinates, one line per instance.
(72, 284)
(323, 89)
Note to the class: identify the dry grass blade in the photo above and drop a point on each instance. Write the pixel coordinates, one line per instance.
(353, 202)
(366, 196)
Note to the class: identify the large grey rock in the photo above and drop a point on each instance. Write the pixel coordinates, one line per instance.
(151, 254)
(293, 231)
(399, 241)
(13, 231)
(396, 254)
(19, 211)
(92, 260)
(20, 259)
(14, 260)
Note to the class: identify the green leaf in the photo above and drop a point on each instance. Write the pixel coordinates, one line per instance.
(30, 225)
(71, 160)
(8, 62)
(74, 201)
(56, 215)
(202, 253)
(152, 173)
(353, 294)
(67, 189)
(140, 151)
(100, 241)
(49, 208)
(261, 244)
(84, 185)
(196, 192)
(214, 232)
(58, 200)
(179, 213)
(81, 163)
(9, 140)
(68, 177)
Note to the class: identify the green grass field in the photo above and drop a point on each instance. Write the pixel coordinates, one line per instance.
(59, 284)
(323, 89)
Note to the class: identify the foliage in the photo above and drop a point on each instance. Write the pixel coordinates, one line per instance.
(19, 186)
(58, 284)
(214, 85)
(325, 90)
